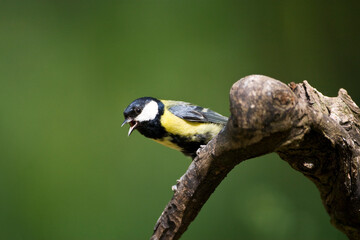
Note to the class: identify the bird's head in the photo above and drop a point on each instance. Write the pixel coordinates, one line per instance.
(140, 111)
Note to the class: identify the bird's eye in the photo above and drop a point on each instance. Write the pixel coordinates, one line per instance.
(137, 110)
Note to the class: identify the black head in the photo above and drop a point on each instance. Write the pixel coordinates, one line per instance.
(141, 110)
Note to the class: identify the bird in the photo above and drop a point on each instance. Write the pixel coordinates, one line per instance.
(176, 124)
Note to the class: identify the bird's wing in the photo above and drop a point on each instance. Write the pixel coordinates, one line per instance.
(194, 113)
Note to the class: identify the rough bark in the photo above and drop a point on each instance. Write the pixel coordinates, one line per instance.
(317, 135)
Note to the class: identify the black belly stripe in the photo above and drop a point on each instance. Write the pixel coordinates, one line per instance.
(189, 145)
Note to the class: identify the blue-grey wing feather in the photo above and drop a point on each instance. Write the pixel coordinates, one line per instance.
(194, 113)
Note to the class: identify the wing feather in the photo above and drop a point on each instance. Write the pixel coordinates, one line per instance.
(193, 113)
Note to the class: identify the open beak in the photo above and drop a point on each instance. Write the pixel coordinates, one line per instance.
(132, 123)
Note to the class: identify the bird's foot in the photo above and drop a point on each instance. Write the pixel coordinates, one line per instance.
(199, 149)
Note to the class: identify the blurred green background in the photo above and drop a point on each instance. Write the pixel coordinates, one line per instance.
(69, 68)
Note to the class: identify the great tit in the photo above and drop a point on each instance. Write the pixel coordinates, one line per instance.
(175, 124)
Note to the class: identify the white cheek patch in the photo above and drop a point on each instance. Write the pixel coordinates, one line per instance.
(149, 112)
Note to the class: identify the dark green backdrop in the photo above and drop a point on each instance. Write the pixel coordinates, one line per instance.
(69, 68)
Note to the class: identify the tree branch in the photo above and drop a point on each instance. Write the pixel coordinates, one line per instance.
(317, 135)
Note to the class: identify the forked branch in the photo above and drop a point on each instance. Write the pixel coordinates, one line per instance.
(317, 135)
